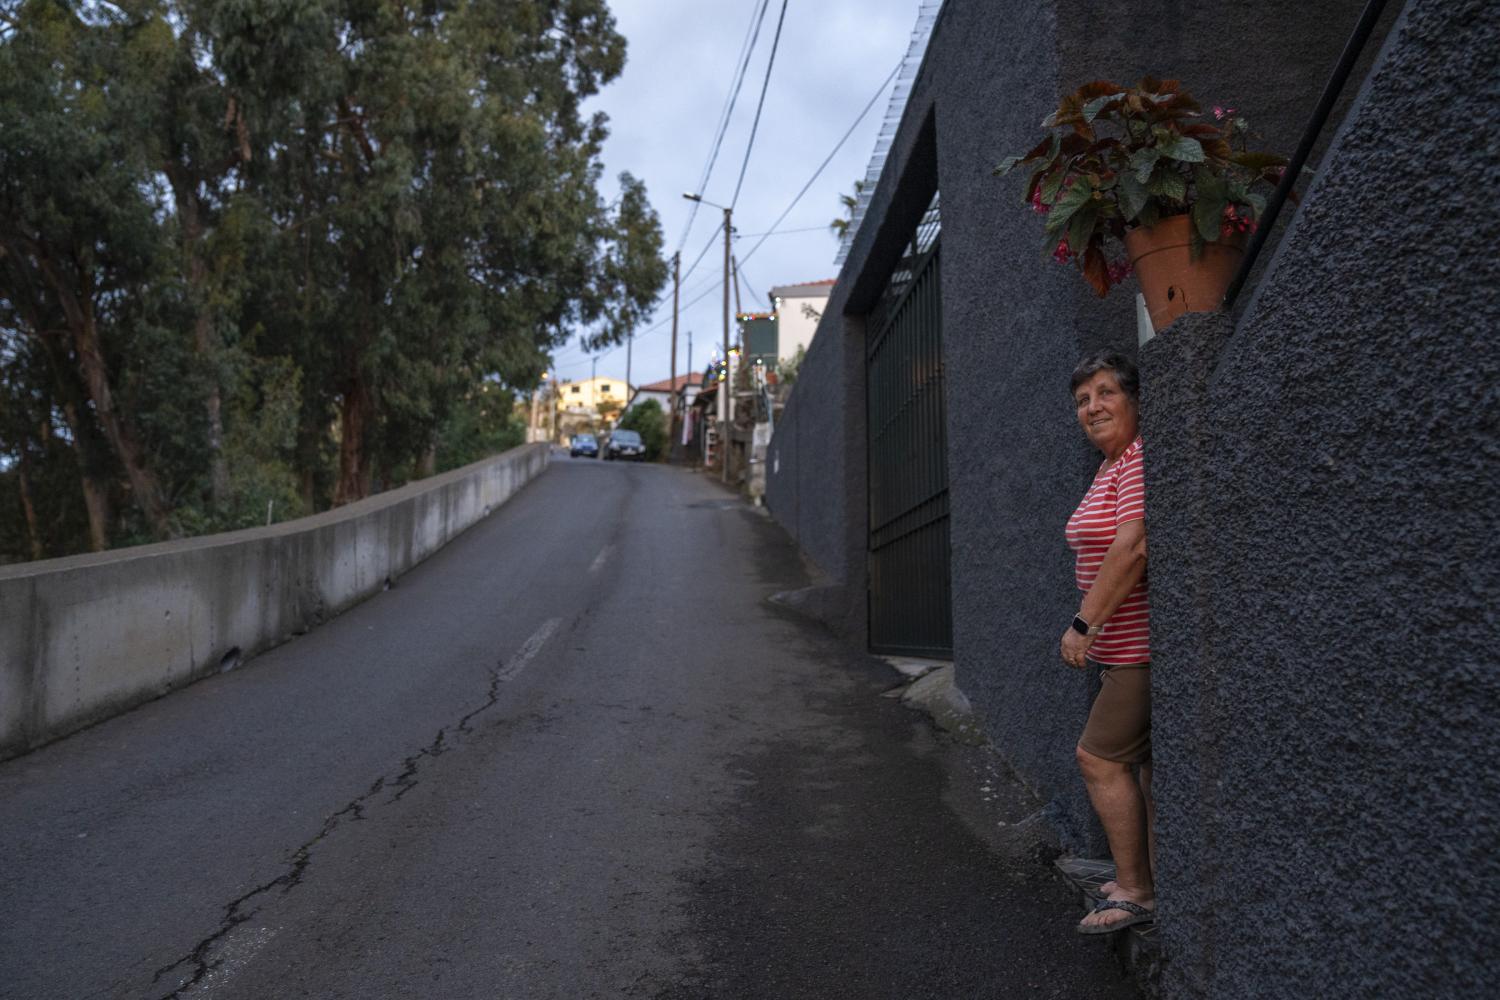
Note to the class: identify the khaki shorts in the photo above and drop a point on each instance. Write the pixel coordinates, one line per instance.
(1119, 726)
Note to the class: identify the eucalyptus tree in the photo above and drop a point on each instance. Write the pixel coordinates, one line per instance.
(80, 233)
(443, 198)
(247, 243)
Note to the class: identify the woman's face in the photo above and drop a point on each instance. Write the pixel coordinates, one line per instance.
(1106, 412)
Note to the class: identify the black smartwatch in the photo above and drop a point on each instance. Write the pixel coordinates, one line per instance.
(1084, 628)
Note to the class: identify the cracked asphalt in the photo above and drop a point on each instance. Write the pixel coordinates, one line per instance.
(575, 754)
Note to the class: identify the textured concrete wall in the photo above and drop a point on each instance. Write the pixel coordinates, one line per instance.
(1323, 488)
(90, 636)
(1014, 324)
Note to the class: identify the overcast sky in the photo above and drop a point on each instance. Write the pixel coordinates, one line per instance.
(663, 111)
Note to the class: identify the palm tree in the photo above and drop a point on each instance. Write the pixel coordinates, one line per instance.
(841, 226)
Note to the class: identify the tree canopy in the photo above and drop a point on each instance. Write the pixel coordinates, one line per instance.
(277, 254)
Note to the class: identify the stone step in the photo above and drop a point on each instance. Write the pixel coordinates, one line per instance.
(1138, 948)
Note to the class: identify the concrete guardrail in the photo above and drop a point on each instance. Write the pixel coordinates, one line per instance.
(87, 637)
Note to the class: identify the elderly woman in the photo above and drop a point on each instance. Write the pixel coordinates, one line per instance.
(1108, 534)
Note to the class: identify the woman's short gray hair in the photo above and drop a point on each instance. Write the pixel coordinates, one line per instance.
(1113, 361)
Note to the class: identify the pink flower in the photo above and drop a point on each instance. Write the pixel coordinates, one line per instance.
(1063, 254)
(1221, 112)
(1119, 271)
(1236, 221)
(1037, 205)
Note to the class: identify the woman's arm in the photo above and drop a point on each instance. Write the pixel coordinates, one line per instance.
(1124, 565)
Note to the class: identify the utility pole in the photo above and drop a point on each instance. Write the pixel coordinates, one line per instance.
(676, 397)
(552, 413)
(724, 388)
(531, 425)
(738, 309)
(629, 339)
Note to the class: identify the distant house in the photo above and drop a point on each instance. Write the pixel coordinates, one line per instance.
(585, 395)
(578, 404)
(798, 310)
(686, 385)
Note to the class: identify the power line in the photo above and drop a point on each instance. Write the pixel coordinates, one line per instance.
(781, 232)
(749, 284)
(773, 231)
(824, 165)
(755, 125)
(746, 50)
(706, 291)
(712, 239)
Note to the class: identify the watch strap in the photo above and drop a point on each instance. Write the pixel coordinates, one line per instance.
(1084, 628)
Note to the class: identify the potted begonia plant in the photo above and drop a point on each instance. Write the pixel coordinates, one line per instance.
(1145, 168)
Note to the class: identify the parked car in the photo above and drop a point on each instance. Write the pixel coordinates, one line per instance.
(584, 444)
(625, 444)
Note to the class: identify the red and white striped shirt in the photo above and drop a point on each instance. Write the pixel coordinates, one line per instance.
(1118, 494)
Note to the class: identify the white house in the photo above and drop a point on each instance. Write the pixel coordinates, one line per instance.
(798, 309)
(686, 384)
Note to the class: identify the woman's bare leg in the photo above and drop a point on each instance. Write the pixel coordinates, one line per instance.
(1117, 799)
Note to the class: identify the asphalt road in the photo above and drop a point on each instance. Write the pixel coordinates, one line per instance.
(575, 754)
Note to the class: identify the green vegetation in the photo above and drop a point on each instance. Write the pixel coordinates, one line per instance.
(649, 420)
(268, 255)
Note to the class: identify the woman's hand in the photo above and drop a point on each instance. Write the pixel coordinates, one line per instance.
(1074, 646)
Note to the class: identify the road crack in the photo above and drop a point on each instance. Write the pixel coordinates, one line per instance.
(205, 957)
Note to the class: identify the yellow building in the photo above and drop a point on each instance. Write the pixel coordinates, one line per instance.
(585, 395)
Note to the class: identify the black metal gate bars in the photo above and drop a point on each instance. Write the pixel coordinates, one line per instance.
(910, 600)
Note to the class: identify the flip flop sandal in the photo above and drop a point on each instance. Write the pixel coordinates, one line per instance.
(1138, 915)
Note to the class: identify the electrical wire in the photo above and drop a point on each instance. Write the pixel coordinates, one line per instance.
(746, 50)
(781, 232)
(705, 290)
(755, 125)
(749, 284)
(824, 165)
(713, 238)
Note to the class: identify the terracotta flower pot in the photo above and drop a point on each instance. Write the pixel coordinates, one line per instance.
(1172, 282)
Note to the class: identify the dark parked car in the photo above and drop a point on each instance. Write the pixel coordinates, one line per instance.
(584, 444)
(625, 444)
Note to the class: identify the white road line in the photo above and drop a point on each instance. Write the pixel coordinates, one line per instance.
(600, 560)
(529, 649)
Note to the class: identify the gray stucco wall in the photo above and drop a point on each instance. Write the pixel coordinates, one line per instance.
(90, 636)
(1323, 486)
(1015, 324)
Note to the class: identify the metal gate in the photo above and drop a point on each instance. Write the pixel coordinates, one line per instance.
(910, 600)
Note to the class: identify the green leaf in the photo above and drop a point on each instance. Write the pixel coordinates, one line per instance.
(1092, 108)
(1072, 200)
(1150, 215)
(1143, 161)
(1052, 185)
(1081, 226)
(1208, 207)
(1046, 149)
(1183, 148)
(1133, 196)
(1168, 183)
(1008, 164)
